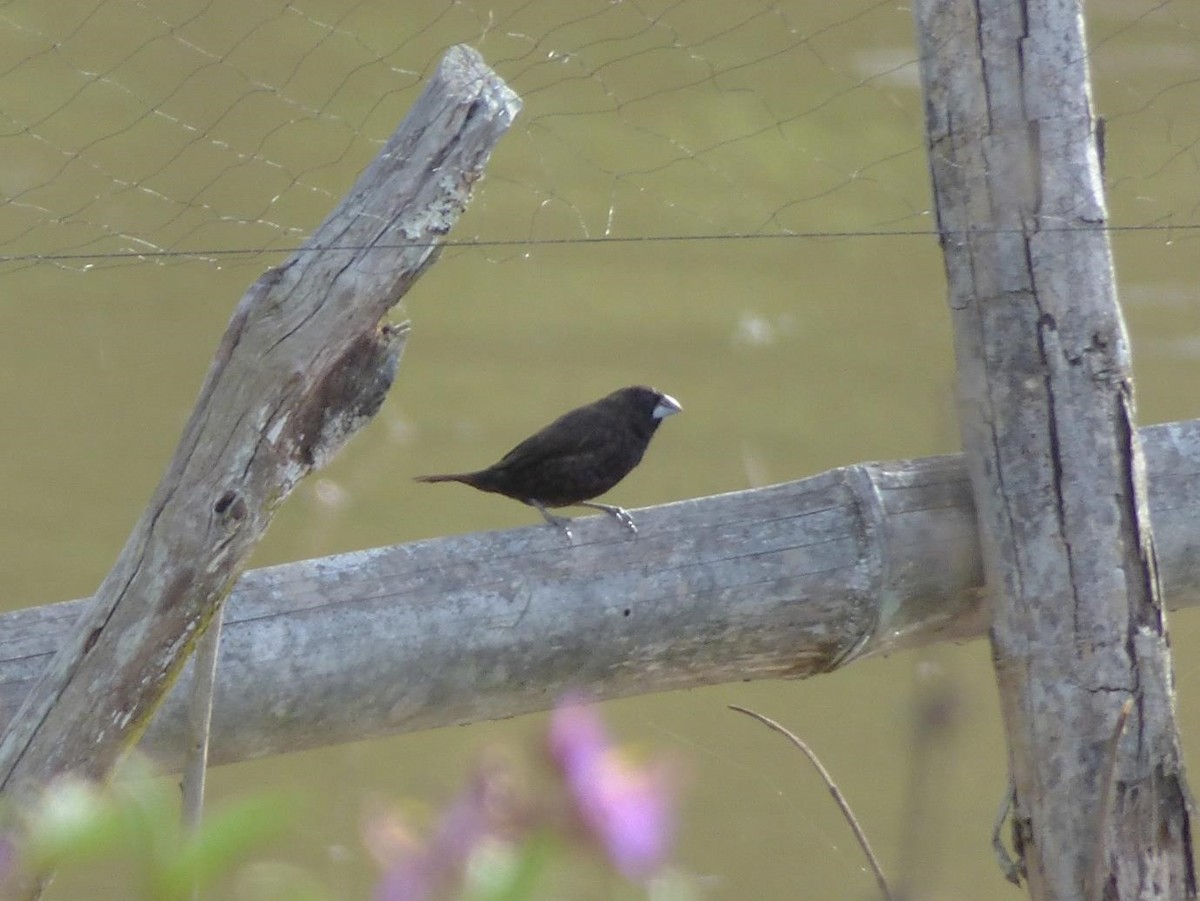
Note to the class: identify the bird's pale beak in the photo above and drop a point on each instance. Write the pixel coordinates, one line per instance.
(666, 406)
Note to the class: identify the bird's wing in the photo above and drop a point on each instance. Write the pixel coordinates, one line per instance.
(575, 433)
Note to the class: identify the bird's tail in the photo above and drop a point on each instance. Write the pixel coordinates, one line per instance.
(467, 478)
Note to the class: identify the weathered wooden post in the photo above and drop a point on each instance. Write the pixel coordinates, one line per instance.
(306, 361)
(1078, 630)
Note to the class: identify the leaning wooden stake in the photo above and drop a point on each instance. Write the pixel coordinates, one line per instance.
(1078, 628)
(305, 362)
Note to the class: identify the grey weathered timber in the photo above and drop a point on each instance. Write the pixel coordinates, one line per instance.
(305, 361)
(1056, 467)
(784, 581)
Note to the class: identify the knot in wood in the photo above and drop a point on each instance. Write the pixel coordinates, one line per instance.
(346, 396)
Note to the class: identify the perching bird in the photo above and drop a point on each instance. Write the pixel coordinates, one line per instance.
(579, 456)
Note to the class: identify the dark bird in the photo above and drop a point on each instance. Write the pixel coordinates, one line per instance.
(579, 456)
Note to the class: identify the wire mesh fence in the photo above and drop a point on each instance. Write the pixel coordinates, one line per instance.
(222, 131)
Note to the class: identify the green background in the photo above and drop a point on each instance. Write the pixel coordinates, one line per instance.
(764, 168)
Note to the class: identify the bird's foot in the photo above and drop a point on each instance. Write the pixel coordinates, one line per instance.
(620, 514)
(562, 523)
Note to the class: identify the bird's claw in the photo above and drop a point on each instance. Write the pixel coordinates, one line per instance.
(622, 516)
(562, 523)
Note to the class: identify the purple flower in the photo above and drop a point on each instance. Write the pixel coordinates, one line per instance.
(484, 814)
(626, 808)
(491, 836)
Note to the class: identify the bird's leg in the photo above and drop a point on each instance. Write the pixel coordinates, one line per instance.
(559, 522)
(620, 514)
